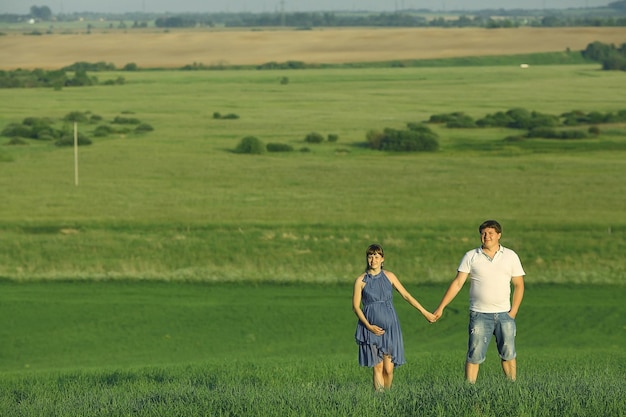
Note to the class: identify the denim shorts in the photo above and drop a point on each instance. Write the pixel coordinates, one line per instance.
(484, 325)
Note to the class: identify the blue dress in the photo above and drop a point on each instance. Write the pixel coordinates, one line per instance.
(377, 300)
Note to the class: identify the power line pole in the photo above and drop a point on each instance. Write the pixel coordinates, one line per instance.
(282, 13)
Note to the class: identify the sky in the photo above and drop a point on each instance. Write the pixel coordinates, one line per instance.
(256, 6)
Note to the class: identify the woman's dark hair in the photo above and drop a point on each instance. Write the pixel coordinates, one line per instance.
(373, 250)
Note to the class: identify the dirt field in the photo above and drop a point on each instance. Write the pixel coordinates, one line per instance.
(178, 48)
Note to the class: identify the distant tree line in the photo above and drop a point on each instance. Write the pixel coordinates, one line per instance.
(56, 79)
(613, 14)
(310, 20)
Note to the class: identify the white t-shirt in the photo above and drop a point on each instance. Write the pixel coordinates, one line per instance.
(490, 285)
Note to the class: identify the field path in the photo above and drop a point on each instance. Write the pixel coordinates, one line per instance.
(174, 49)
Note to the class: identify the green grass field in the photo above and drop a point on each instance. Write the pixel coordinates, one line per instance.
(150, 348)
(177, 277)
(177, 203)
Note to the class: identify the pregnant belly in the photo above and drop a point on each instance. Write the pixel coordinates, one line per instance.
(381, 316)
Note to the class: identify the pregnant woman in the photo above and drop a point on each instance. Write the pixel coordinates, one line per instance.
(378, 332)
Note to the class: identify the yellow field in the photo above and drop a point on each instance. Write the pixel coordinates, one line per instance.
(178, 48)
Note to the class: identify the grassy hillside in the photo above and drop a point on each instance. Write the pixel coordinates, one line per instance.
(177, 203)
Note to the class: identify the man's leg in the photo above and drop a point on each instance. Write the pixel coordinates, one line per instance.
(471, 372)
(510, 369)
(480, 329)
(505, 339)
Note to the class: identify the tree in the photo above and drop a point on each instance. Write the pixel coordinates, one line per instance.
(618, 5)
(42, 13)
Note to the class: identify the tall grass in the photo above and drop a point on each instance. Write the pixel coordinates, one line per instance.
(324, 388)
(149, 348)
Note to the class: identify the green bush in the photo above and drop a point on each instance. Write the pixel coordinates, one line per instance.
(68, 140)
(279, 147)
(34, 121)
(143, 128)
(103, 130)
(251, 145)
(374, 138)
(229, 116)
(498, 119)
(46, 134)
(314, 137)
(17, 141)
(332, 137)
(520, 118)
(403, 140)
(17, 130)
(463, 121)
(126, 120)
(548, 133)
(76, 116)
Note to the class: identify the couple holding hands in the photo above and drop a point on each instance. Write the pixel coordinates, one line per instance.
(492, 269)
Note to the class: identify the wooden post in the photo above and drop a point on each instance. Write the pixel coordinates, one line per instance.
(76, 154)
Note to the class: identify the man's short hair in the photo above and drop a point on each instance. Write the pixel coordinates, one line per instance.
(490, 224)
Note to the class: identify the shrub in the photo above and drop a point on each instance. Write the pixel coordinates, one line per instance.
(117, 81)
(439, 118)
(90, 66)
(131, 66)
(314, 137)
(543, 120)
(103, 130)
(374, 138)
(76, 116)
(126, 120)
(16, 130)
(419, 127)
(453, 120)
(462, 121)
(17, 141)
(68, 140)
(406, 141)
(231, 116)
(46, 134)
(543, 132)
(520, 118)
(573, 134)
(547, 133)
(250, 144)
(279, 147)
(499, 119)
(143, 128)
(34, 121)
(332, 137)
(594, 130)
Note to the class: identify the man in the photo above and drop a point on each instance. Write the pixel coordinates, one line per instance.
(492, 269)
